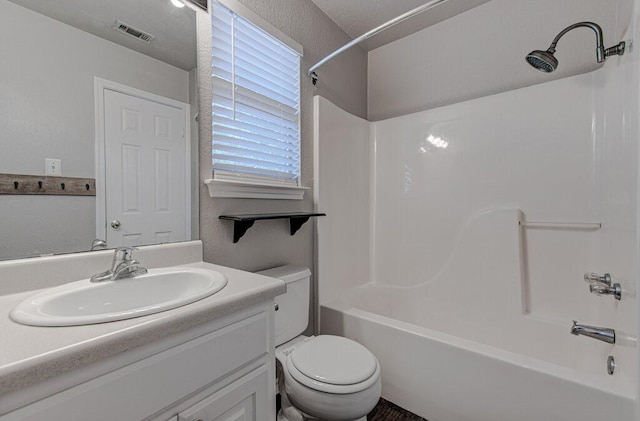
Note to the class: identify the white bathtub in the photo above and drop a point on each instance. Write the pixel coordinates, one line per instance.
(443, 377)
(463, 346)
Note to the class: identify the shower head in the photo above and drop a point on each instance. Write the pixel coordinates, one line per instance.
(546, 62)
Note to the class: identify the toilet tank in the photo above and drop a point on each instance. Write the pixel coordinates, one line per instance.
(292, 315)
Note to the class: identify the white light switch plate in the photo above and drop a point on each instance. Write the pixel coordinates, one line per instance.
(52, 166)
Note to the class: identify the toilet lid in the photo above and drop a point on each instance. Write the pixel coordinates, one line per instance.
(334, 360)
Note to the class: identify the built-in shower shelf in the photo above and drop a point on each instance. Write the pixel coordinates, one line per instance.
(241, 223)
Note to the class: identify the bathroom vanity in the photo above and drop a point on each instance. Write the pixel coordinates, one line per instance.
(212, 359)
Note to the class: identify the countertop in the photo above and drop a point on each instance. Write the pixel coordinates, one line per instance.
(30, 355)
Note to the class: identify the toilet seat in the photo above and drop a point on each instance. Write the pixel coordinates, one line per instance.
(333, 364)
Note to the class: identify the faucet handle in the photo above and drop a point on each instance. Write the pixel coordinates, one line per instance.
(121, 254)
(595, 277)
(599, 288)
(125, 252)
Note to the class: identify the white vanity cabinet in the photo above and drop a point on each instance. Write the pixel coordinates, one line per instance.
(220, 370)
(244, 400)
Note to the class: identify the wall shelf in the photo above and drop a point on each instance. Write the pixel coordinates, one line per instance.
(21, 184)
(241, 223)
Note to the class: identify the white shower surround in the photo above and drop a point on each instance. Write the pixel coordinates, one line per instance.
(422, 260)
(451, 350)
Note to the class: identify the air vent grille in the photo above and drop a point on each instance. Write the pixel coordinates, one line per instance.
(125, 28)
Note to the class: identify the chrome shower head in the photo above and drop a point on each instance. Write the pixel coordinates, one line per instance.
(544, 61)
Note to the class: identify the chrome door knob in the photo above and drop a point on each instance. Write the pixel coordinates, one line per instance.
(115, 224)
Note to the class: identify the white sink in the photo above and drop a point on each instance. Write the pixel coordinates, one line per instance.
(84, 302)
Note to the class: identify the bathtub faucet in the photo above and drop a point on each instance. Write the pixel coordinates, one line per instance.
(600, 333)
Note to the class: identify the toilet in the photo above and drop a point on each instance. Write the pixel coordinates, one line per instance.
(325, 377)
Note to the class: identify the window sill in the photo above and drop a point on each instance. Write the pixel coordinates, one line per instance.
(239, 190)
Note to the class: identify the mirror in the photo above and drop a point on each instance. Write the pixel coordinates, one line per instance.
(83, 89)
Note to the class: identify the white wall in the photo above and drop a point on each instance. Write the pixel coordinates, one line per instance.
(46, 111)
(268, 243)
(482, 51)
(631, 103)
(568, 161)
(587, 124)
(563, 150)
(573, 160)
(342, 190)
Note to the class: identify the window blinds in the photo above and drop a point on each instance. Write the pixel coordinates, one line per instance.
(256, 103)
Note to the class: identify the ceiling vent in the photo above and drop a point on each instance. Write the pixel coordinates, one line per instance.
(133, 32)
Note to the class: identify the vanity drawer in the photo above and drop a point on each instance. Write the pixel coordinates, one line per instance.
(160, 381)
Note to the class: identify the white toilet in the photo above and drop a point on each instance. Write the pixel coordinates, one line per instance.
(326, 377)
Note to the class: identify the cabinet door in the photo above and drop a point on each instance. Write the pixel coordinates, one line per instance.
(243, 400)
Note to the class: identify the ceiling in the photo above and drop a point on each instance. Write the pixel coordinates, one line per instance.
(174, 29)
(356, 17)
(175, 33)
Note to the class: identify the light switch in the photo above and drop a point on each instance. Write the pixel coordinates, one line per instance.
(52, 166)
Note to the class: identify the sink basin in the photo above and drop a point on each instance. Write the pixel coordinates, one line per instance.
(84, 302)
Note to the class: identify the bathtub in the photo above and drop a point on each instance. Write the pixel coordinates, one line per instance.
(472, 373)
(466, 345)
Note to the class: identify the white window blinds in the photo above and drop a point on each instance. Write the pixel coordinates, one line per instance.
(256, 103)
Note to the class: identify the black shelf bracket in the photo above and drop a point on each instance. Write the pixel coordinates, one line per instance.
(240, 228)
(296, 223)
(241, 223)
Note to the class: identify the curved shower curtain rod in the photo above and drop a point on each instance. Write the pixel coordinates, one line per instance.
(369, 34)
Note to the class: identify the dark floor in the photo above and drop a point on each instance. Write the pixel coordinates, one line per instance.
(384, 411)
(387, 411)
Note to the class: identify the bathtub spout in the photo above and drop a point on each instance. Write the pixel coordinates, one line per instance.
(600, 333)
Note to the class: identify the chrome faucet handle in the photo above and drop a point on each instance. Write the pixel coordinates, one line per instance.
(122, 254)
(123, 265)
(126, 252)
(595, 277)
(128, 269)
(600, 289)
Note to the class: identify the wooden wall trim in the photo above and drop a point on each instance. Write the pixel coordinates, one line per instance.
(47, 185)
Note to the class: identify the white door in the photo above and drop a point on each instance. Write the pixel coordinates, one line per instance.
(145, 171)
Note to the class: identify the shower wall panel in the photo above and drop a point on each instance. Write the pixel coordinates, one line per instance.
(342, 148)
(559, 152)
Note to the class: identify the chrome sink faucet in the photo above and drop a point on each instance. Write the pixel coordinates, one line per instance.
(600, 333)
(123, 266)
(98, 244)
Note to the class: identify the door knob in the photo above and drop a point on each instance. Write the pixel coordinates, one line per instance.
(115, 224)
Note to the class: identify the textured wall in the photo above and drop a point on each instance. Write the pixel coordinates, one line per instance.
(482, 51)
(343, 81)
(269, 243)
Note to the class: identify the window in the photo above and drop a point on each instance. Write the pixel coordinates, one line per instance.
(256, 104)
